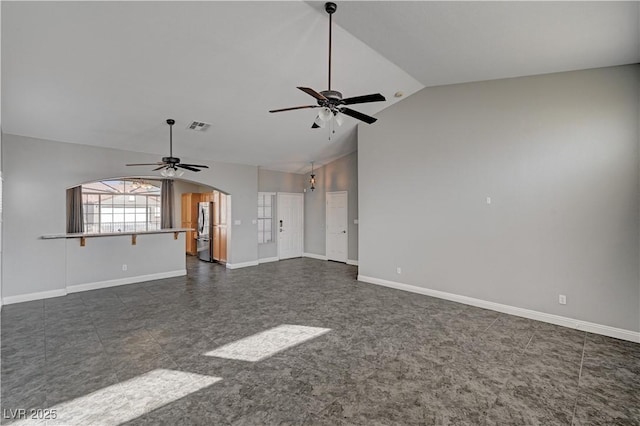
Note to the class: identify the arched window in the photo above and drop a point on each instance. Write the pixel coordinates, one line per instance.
(121, 205)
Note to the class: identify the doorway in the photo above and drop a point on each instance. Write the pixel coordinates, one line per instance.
(337, 243)
(206, 213)
(290, 225)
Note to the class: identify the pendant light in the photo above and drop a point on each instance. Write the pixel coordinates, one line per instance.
(312, 181)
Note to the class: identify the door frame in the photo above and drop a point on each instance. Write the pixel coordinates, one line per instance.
(326, 224)
(278, 210)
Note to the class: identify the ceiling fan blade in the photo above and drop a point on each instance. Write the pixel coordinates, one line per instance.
(315, 126)
(159, 168)
(310, 91)
(195, 165)
(292, 108)
(184, 166)
(376, 97)
(360, 116)
(144, 164)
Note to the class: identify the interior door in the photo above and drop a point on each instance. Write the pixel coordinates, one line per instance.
(337, 231)
(290, 225)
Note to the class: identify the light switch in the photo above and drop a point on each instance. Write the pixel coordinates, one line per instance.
(237, 222)
(254, 221)
(488, 200)
(355, 221)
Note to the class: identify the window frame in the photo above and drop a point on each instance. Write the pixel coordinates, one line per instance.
(151, 208)
(263, 219)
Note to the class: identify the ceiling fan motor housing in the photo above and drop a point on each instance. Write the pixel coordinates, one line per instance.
(170, 160)
(332, 95)
(334, 98)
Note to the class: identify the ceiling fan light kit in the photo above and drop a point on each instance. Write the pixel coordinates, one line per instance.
(170, 165)
(171, 172)
(330, 101)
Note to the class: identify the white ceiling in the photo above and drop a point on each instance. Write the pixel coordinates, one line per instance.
(454, 42)
(110, 73)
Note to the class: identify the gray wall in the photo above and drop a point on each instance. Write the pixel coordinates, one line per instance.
(102, 258)
(37, 172)
(558, 155)
(339, 175)
(272, 181)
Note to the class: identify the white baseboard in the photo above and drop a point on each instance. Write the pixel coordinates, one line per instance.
(91, 286)
(314, 256)
(352, 262)
(123, 281)
(268, 259)
(242, 264)
(33, 296)
(605, 330)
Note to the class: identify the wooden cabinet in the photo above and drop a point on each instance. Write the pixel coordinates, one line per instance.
(219, 226)
(189, 219)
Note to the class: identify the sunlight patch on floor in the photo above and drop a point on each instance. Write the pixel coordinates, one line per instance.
(125, 401)
(265, 344)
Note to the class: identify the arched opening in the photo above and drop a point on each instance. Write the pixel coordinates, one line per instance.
(136, 204)
(121, 205)
(206, 210)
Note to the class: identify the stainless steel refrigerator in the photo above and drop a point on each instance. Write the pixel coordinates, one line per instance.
(205, 231)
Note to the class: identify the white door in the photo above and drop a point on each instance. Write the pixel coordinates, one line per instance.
(337, 235)
(290, 225)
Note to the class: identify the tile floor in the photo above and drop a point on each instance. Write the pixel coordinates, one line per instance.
(390, 357)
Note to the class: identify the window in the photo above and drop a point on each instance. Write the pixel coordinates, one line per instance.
(265, 217)
(125, 205)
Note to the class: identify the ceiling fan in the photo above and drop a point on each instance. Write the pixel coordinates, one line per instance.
(169, 165)
(331, 101)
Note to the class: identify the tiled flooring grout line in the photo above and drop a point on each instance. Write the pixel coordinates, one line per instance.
(44, 345)
(490, 325)
(508, 379)
(322, 410)
(95, 329)
(163, 352)
(497, 395)
(575, 406)
(119, 382)
(529, 342)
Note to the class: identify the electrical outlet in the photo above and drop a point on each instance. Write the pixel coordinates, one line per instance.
(562, 299)
(398, 270)
(124, 266)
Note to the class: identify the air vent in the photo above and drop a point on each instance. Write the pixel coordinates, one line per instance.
(198, 126)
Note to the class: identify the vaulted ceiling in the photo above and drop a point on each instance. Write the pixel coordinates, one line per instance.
(110, 73)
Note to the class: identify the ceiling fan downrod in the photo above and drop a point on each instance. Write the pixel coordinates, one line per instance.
(330, 8)
(171, 122)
